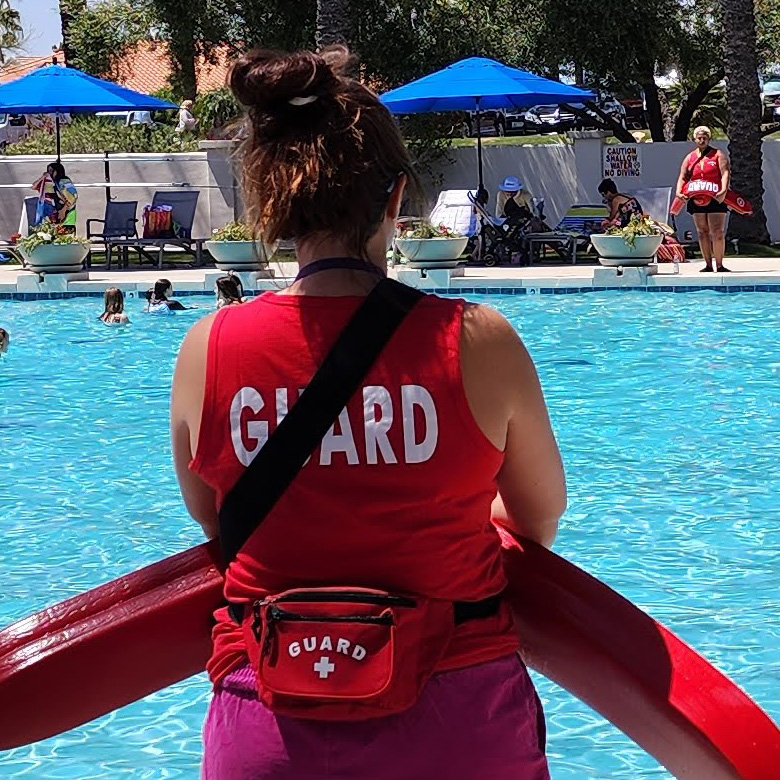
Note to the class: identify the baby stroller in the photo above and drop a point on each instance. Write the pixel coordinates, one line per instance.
(499, 241)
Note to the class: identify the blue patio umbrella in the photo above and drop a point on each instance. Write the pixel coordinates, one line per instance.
(56, 89)
(479, 84)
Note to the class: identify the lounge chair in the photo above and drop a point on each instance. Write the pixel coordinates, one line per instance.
(570, 234)
(453, 209)
(183, 204)
(119, 222)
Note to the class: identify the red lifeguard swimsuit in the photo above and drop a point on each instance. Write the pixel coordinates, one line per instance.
(397, 496)
(704, 167)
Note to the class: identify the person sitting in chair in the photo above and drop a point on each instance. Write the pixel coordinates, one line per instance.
(512, 200)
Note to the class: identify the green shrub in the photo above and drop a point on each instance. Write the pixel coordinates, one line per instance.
(88, 135)
(216, 108)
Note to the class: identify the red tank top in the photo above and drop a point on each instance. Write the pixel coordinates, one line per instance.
(397, 496)
(704, 167)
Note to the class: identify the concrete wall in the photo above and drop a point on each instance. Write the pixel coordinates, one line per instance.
(567, 174)
(209, 171)
(562, 174)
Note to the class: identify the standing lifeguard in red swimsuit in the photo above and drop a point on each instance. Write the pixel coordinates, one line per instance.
(712, 165)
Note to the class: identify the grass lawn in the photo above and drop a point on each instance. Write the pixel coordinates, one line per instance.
(514, 140)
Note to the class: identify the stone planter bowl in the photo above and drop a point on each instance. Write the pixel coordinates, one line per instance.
(55, 258)
(614, 251)
(431, 250)
(238, 255)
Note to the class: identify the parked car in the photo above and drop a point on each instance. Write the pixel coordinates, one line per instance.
(13, 128)
(127, 118)
(548, 119)
(514, 123)
(770, 93)
(606, 102)
(490, 123)
(776, 111)
(635, 112)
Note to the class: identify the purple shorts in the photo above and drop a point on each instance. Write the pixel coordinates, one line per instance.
(476, 723)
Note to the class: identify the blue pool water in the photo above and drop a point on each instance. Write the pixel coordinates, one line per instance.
(667, 409)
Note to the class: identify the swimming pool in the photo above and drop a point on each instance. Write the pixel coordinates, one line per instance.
(667, 409)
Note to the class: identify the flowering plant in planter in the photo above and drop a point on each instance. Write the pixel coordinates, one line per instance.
(424, 229)
(49, 233)
(233, 231)
(638, 226)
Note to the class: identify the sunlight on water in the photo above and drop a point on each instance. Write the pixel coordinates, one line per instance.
(667, 408)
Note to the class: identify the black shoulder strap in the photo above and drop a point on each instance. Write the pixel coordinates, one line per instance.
(297, 436)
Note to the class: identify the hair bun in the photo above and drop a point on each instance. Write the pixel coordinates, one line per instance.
(269, 80)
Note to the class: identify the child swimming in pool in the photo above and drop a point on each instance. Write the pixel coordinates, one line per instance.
(114, 308)
(230, 291)
(158, 301)
(5, 341)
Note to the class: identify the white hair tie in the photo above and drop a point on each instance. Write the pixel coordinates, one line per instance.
(302, 101)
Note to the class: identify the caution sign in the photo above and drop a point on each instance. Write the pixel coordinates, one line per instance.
(622, 161)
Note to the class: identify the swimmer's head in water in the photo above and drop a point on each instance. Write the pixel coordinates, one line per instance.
(229, 290)
(322, 156)
(161, 290)
(5, 340)
(114, 301)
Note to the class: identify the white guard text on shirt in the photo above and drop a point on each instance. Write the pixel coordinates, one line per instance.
(419, 440)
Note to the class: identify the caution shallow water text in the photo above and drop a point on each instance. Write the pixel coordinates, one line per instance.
(622, 161)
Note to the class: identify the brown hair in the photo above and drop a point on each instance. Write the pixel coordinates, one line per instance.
(230, 289)
(321, 153)
(114, 301)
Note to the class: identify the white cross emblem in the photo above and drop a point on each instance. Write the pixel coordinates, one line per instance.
(324, 667)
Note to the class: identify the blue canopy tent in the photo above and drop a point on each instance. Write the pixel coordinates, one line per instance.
(55, 89)
(479, 84)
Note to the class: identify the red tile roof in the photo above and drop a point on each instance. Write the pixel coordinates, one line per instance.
(145, 68)
(21, 66)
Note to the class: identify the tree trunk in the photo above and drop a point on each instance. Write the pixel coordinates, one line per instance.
(655, 113)
(684, 117)
(183, 56)
(334, 23)
(743, 97)
(69, 11)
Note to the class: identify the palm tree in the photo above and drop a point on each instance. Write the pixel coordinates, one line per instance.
(334, 22)
(69, 11)
(11, 32)
(743, 97)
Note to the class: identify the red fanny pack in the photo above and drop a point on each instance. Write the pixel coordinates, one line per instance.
(349, 653)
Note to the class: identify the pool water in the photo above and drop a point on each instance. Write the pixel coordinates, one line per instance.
(667, 409)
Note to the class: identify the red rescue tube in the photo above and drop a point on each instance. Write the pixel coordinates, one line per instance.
(702, 192)
(152, 628)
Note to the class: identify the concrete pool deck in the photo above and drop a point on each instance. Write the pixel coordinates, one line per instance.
(748, 274)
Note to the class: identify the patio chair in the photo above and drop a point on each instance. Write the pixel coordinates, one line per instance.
(119, 221)
(27, 220)
(183, 205)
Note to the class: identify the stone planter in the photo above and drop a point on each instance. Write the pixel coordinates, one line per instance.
(615, 251)
(432, 252)
(55, 258)
(238, 255)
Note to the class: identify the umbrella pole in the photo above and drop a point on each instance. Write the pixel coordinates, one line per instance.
(480, 188)
(479, 147)
(107, 175)
(57, 133)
